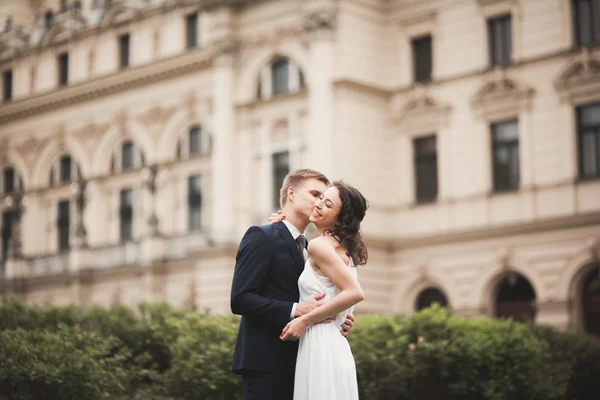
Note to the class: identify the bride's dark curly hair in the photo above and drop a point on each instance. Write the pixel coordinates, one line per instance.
(347, 227)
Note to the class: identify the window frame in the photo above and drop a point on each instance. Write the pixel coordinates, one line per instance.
(580, 134)
(126, 214)
(416, 44)
(63, 69)
(509, 186)
(419, 160)
(195, 202)
(507, 45)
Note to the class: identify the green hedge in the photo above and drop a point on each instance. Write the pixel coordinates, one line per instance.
(159, 353)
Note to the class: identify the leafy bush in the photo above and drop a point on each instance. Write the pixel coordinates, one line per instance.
(157, 352)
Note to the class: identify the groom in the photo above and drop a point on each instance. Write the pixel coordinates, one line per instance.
(265, 292)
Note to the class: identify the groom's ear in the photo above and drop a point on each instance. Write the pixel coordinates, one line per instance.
(290, 193)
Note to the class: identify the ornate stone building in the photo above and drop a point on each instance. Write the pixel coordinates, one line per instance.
(140, 138)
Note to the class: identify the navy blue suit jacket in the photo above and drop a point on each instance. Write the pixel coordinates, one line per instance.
(264, 288)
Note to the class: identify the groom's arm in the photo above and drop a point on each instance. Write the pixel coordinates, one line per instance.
(251, 268)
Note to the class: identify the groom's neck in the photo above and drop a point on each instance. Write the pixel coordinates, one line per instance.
(299, 221)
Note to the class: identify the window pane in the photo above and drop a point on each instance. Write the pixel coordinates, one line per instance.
(280, 76)
(422, 59)
(589, 155)
(505, 131)
(425, 150)
(7, 85)
(500, 40)
(195, 140)
(65, 169)
(127, 156)
(505, 150)
(126, 211)
(63, 225)
(124, 50)
(9, 180)
(583, 21)
(590, 115)
(192, 30)
(195, 202)
(281, 167)
(63, 68)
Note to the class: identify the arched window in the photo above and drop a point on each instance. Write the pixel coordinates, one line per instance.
(64, 170)
(197, 142)
(590, 300)
(515, 298)
(127, 157)
(428, 297)
(281, 76)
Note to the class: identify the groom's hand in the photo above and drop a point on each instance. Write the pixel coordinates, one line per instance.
(309, 304)
(347, 325)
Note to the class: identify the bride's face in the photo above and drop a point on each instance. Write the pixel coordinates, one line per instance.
(326, 209)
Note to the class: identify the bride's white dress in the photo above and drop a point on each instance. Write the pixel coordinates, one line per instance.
(325, 368)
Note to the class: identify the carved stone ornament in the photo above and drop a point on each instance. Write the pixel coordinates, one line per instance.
(90, 135)
(155, 118)
(579, 82)
(225, 46)
(319, 19)
(31, 148)
(421, 113)
(501, 97)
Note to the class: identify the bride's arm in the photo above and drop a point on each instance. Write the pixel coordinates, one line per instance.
(323, 254)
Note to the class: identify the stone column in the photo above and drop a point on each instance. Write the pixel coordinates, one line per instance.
(319, 24)
(153, 245)
(79, 252)
(224, 48)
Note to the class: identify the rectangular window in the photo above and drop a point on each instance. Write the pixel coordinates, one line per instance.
(500, 38)
(5, 232)
(195, 202)
(421, 49)
(63, 69)
(7, 82)
(63, 225)
(126, 214)
(127, 156)
(281, 167)
(65, 169)
(191, 23)
(280, 71)
(8, 180)
(505, 155)
(586, 22)
(426, 185)
(124, 51)
(195, 140)
(588, 129)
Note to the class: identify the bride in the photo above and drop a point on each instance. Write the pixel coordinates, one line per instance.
(325, 366)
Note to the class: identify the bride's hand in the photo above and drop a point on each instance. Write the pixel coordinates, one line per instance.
(294, 330)
(276, 217)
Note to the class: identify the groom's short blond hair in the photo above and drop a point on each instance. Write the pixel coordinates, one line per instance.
(295, 178)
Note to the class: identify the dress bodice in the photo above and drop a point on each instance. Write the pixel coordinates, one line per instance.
(310, 283)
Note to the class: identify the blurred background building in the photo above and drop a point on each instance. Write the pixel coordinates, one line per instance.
(140, 138)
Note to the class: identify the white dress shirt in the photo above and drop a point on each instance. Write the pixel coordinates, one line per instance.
(295, 233)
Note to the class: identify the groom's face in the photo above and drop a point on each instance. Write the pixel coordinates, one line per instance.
(306, 193)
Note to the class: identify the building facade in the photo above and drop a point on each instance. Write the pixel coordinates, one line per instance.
(140, 138)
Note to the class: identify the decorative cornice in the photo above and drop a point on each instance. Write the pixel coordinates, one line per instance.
(104, 86)
(319, 19)
(501, 97)
(421, 113)
(579, 81)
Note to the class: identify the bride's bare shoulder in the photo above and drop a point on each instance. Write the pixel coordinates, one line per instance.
(322, 243)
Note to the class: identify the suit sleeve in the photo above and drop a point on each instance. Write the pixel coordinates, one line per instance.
(251, 269)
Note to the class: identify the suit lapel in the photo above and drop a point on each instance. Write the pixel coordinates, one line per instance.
(287, 236)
